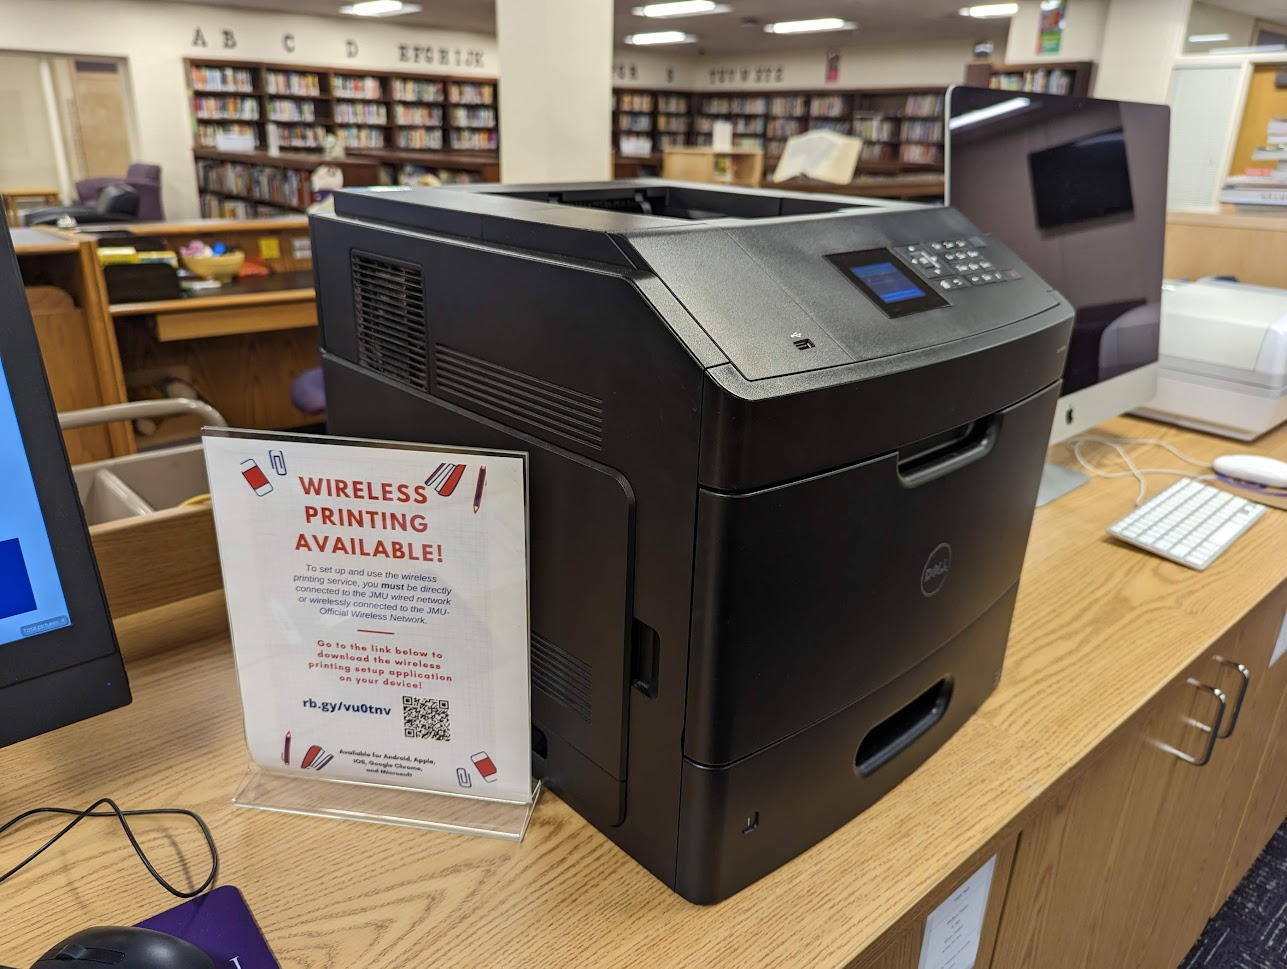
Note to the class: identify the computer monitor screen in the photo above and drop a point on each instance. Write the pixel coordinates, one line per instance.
(1077, 188)
(59, 661)
(31, 593)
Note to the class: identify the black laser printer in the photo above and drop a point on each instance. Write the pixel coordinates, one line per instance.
(784, 453)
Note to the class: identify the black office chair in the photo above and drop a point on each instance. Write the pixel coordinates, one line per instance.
(116, 203)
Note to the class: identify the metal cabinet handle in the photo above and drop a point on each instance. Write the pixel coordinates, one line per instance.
(1242, 694)
(1212, 731)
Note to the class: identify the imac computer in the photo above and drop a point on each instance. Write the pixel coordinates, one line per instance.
(1077, 188)
(59, 660)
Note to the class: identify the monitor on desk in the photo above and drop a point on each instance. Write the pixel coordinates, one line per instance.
(59, 661)
(1077, 187)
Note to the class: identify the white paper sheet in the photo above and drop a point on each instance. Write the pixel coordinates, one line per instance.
(953, 930)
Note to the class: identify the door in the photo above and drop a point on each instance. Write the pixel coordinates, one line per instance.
(1122, 869)
(27, 154)
(101, 118)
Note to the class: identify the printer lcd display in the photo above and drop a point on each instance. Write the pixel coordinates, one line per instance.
(886, 282)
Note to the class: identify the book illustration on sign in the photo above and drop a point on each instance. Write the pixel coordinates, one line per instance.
(445, 478)
(485, 766)
(315, 758)
(255, 477)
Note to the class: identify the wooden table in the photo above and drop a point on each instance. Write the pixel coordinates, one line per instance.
(12, 196)
(1100, 632)
(928, 185)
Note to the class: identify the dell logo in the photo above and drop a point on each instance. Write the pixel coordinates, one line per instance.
(936, 568)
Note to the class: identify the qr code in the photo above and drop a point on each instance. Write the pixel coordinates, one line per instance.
(425, 718)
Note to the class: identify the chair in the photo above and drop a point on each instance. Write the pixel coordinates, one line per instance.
(142, 177)
(116, 203)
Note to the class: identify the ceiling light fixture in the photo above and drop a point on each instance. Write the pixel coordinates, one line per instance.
(661, 37)
(681, 8)
(809, 26)
(991, 10)
(379, 8)
(1207, 38)
(983, 114)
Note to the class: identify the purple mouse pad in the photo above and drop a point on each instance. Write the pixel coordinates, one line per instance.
(219, 924)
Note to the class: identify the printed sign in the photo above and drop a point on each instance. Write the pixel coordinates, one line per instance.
(1050, 32)
(378, 596)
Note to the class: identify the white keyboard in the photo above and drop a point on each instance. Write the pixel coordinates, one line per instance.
(1189, 523)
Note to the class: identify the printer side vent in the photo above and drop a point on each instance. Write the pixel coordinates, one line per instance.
(518, 397)
(389, 305)
(561, 676)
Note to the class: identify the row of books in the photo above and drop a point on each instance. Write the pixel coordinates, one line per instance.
(417, 114)
(232, 108)
(786, 127)
(360, 136)
(420, 139)
(925, 131)
(1040, 81)
(829, 106)
(742, 105)
(634, 122)
(286, 110)
(289, 187)
(920, 154)
(300, 136)
(672, 104)
(222, 79)
(359, 112)
(924, 105)
(218, 207)
(787, 106)
(473, 117)
(634, 101)
(481, 139)
(361, 88)
(423, 92)
(875, 128)
(208, 134)
(300, 84)
(672, 122)
(412, 175)
(467, 92)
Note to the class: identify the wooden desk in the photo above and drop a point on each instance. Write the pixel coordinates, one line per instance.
(741, 166)
(69, 307)
(1100, 634)
(240, 345)
(12, 196)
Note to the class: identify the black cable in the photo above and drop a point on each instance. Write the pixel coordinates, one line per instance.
(116, 812)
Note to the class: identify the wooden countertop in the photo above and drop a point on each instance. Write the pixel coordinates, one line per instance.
(41, 241)
(1227, 218)
(287, 287)
(205, 226)
(1099, 628)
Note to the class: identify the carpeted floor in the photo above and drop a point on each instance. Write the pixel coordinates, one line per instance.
(1250, 930)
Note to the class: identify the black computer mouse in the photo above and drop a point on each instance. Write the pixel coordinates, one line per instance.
(124, 948)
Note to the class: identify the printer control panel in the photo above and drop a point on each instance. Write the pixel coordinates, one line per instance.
(950, 264)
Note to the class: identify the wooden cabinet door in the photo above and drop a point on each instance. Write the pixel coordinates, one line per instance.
(1123, 866)
(1265, 722)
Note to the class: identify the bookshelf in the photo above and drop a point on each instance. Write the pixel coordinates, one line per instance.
(403, 125)
(902, 127)
(1042, 77)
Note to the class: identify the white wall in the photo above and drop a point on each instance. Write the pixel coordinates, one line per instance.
(1083, 32)
(932, 62)
(156, 37)
(639, 67)
(1142, 39)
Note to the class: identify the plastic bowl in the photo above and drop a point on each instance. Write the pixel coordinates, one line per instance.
(221, 268)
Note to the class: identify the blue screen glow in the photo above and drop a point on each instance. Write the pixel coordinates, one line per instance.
(890, 285)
